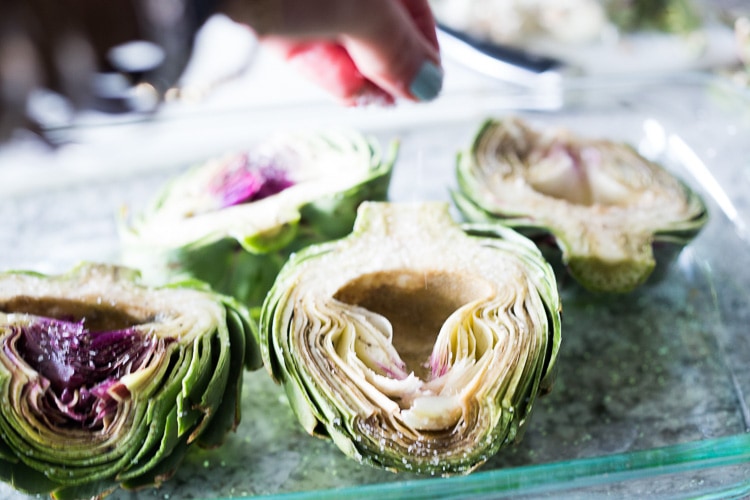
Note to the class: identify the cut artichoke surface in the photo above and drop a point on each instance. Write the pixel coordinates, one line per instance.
(106, 382)
(233, 221)
(606, 207)
(414, 343)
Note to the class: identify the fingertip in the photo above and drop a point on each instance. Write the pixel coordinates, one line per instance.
(427, 83)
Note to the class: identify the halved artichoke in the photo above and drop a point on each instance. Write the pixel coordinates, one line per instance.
(106, 382)
(605, 206)
(413, 343)
(233, 221)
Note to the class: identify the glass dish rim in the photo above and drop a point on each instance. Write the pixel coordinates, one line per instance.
(538, 478)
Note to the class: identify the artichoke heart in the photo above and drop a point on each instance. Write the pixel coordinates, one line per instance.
(614, 215)
(106, 382)
(233, 221)
(414, 343)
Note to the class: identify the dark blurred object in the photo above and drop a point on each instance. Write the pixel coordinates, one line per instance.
(505, 62)
(742, 38)
(668, 16)
(113, 56)
(742, 32)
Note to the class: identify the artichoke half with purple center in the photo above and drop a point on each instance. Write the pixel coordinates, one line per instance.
(107, 383)
(414, 343)
(614, 215)
(233, 221)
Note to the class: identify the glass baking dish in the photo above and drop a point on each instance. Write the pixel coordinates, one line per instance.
(651, 394)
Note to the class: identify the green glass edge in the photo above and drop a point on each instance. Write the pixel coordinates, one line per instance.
(564, 475)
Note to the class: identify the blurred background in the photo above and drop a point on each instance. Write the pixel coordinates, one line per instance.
(514, 48)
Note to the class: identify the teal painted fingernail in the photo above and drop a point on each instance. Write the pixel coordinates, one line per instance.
(428, 82)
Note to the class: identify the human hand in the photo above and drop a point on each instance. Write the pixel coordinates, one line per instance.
(360, 51)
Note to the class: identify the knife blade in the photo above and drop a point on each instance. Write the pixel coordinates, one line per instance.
(503, 62)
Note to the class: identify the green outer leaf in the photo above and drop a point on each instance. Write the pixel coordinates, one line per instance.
(227, 414)
(545, 282)
(161, 414)
(283, 365)
(86, 490)
(168, 439)
(162, 470)
(277, 293)
(213, 395)
(333, 217)
(194, 383)
(224, 264)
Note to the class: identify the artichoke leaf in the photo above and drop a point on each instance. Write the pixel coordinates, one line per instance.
(227, 409)
(414, 343)
(107, 382)
(605, 207)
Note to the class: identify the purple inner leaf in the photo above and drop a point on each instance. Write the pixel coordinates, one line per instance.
(437, 367)
(243, 180)
(80, 366)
